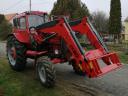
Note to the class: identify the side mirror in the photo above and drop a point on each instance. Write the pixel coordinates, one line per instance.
(53, 17)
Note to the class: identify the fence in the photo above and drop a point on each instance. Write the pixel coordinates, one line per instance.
(120, 41)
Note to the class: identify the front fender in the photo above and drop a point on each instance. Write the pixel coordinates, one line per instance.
(22, 37)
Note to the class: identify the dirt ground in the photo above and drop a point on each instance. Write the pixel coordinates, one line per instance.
(79, 89)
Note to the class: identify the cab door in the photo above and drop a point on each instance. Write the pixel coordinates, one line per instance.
(22, 31)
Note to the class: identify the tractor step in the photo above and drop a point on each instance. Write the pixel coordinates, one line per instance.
(35, 53)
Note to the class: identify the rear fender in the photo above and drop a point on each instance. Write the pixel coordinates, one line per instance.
(21, 37)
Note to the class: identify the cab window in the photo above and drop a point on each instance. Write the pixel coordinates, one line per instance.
(35, 20)
(15, 23)
(22, 22)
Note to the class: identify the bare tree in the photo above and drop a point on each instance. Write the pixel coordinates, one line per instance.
(100, 21)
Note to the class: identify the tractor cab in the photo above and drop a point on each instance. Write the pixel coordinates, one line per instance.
(27, 20)
(25, 24)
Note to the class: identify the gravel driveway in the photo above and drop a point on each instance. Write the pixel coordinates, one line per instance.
(2, 49)
(114, 83)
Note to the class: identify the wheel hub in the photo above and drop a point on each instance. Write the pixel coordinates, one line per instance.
(12, 55)
(42, 73)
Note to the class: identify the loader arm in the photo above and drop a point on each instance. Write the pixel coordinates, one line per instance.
(87, 61)
(111, 60)
(84, 26)
(63, 29)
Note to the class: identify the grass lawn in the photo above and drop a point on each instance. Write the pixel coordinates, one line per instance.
(23, 83)
(121, 51)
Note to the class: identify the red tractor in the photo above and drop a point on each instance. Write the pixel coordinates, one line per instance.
(50, 42)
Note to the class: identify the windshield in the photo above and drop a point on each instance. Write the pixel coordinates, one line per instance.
(36, 20)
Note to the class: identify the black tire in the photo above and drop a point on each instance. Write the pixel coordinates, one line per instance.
(77, 69)
(19, 62)
(46, 72)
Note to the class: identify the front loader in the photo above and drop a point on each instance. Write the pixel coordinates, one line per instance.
(58, 41)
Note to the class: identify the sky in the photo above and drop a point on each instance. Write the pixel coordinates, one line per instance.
(17, 6)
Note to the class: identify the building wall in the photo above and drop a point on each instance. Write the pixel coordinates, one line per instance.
(126, 30)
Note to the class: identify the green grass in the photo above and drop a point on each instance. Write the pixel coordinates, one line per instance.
(121, 51)
(23, 83)
(124, 58)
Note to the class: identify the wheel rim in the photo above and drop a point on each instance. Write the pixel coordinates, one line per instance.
(42, 73)
(12, 55)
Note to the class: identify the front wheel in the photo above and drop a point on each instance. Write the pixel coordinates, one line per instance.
(46, 72)
(77, 69)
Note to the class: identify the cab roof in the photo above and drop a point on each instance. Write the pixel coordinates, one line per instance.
(30, 13)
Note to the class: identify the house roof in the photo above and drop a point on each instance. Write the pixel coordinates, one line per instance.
(10, 16)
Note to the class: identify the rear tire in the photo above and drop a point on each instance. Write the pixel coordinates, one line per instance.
(16, 54)
(46, 72)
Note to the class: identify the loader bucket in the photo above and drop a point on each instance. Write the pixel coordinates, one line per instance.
(99, 65)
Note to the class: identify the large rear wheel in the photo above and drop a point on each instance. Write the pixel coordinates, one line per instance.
(46, 72)
(16, 54)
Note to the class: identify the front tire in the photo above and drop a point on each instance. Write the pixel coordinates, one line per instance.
(16, 54)
(77, 69)
(46, 72)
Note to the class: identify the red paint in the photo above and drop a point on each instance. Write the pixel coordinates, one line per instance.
(35, 53)
(13, 50)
